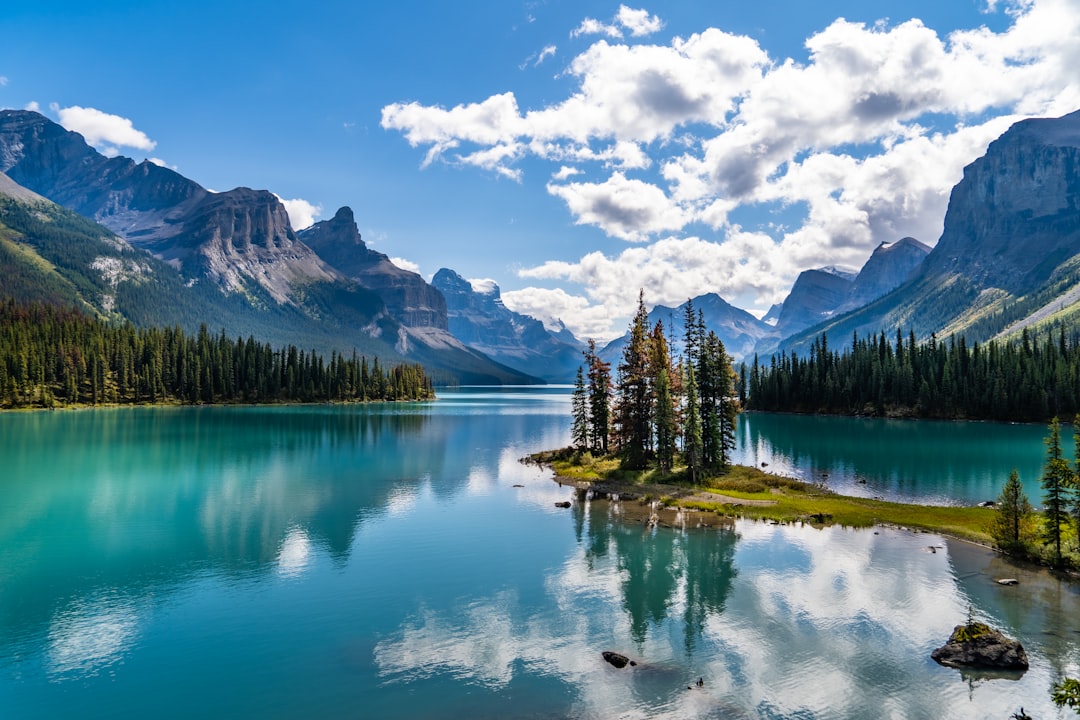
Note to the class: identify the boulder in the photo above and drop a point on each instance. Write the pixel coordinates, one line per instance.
(976, 645)
(617, 659)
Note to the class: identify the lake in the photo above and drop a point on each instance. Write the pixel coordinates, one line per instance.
(382, 561)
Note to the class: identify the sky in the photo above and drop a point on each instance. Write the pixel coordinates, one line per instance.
(572, 151)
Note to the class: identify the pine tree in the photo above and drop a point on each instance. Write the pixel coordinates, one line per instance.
(599, 392)
(692, 432)
(579, 403)
(633, 404)
(1056, 480)
(1013, 511)
(665, 420)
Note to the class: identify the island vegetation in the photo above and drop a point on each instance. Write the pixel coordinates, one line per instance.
(663, 429)
(52, 356)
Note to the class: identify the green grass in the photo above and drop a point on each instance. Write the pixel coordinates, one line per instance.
(789, 500)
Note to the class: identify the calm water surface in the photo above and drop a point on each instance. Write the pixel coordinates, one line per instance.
(379, 562)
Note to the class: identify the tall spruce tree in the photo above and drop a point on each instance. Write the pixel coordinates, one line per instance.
(579, 403)
(692, 427)
(665, 419)
(633, 404)
(599, 392)
(1056, 479)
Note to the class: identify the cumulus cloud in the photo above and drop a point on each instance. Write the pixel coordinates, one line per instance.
(406, 264)
(637, 22)
(302, 214)
(484, 286)
(102, 129)
(33, 106)
(857, 143)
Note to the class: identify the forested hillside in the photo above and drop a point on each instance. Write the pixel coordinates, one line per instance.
(1031, 380)
(53, 356)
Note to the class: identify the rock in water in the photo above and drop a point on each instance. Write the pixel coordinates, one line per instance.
(618, 660)
(975, 645)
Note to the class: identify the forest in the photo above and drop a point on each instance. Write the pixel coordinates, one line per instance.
(52, 356)
(1031, 380)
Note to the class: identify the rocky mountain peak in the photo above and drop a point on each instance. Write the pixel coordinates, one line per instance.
(407, 295)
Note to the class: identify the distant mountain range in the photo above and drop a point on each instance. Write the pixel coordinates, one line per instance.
(168, 251)
(141, 242)
(479, 319)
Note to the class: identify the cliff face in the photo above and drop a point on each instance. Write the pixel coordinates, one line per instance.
(481, 321)
(1015, 216)
(407, 295)
(1009, 247)
(230, 238)
(888, 267)
(815, 296)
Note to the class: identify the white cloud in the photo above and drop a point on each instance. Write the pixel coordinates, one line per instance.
(625, 208)
(638, 22)
(592, 26)
(484, 286)
(406, 264)
(102, 129)
(565, 172)
(552, 306)
(302, 214)
(859, 143)
(33, 106)
(548, 51)
(3, 80)
(161, 163)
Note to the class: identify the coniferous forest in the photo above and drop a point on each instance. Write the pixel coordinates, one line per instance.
(1031, 380)
(51, 356)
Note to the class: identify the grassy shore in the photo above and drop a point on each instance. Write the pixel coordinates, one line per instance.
(748, 492)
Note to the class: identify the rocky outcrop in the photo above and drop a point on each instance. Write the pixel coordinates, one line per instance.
(408, 296)
(479, 319)
(976, 645)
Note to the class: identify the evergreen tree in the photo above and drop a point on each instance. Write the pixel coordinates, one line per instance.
(633, 405)
(1056, 480)
(579, 431)
(1013, 511)
(692, 432)
(664, 401)
(599, 392)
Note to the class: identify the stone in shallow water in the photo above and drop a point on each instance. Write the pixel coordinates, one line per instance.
(975, 645)
(618, 660)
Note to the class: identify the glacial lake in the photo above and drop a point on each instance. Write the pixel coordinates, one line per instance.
(382, 561)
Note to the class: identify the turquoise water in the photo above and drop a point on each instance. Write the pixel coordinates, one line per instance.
(925, 461)
(379, 562)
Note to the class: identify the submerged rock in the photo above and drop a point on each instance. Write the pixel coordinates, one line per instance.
(976, 645)
(618, 660)
(564, 504)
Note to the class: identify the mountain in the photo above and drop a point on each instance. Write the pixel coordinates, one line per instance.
(886, 269)
(478, 318)
(247, 269)
(737, 329)
(407, 295)
(815, 295)
(1007, 257)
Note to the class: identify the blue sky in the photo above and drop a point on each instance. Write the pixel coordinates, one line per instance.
(573, 151)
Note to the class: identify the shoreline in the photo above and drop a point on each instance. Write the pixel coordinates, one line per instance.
(680, 506)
